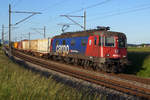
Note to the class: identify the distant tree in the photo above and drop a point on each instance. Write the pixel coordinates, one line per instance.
(142, 44)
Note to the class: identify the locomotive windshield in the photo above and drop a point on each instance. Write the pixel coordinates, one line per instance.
(121, 42)
(109, 41)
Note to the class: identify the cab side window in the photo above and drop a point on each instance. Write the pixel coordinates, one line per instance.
(101, 41)
(109, 41)
(95, 40)
(121, 42)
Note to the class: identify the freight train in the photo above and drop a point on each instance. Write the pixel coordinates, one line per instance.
(97, 49)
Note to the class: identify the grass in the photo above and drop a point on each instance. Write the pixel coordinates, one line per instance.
(16, 83)
(142, 49)
(140, 62)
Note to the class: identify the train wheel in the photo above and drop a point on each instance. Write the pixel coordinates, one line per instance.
(120, 68)
(75, 61)
(113, 69)
(88, 64)
(94, 66)
(67, 60)
(54, 58)
(101, 67)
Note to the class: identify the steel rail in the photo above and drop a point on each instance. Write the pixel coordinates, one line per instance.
(109, 83)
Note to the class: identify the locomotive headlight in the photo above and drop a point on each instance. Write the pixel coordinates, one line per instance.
(107, 55)
(124, 56)
(117, 40)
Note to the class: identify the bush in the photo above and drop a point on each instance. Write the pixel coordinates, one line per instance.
(140, 62)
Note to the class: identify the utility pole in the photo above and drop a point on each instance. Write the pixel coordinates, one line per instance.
(23, 12)
(44, 31)
(21, 36)
(29, 40)
(9, 30)
(2, 35)
(84, 20)
(84, 17)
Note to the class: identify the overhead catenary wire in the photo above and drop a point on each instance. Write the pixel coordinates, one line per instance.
(105, 15)
(16, 3)
(115, 10)
(121, 12)
(53, 5)
(90, 6)
(12, 1)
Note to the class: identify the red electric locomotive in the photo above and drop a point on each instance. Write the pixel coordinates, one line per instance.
(99, 49)
(109, 50)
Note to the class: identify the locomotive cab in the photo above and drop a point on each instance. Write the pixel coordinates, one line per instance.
(114, 47)
(107, 45)
(109, 50)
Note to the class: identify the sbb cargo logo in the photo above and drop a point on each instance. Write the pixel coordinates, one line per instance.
(64, 49)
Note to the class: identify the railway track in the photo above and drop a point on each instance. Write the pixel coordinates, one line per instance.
(118, 85)
(134, 78)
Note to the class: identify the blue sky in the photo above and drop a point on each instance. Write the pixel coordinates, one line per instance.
(128, 16)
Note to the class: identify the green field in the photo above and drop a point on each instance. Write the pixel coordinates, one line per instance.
(142, 49)
(140, 62)
(16, 83)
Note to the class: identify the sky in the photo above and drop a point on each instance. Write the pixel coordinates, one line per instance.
(128, 16)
